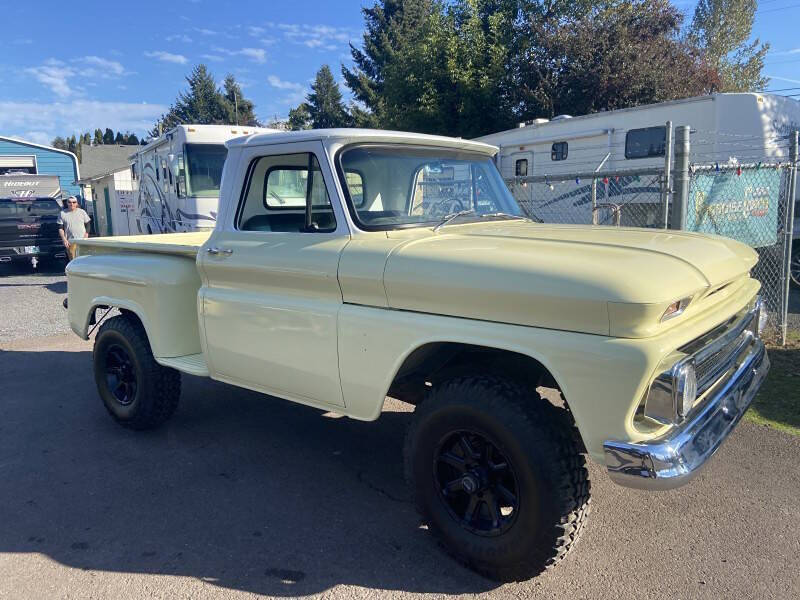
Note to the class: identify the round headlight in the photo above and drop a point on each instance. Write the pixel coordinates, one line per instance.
(685, 388)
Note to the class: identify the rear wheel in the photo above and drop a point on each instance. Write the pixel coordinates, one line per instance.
(137, 392)
(497, 476)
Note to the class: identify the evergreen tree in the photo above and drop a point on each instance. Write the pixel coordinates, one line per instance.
(72, 143)
(132, 139)
(721, 29)
(98, 137)
(390, 27)
(119, 139)
(299, 118)
(86, 138)
(202, 103)
(325, 107)
(108, 136)
(241, 111)
(59, 142)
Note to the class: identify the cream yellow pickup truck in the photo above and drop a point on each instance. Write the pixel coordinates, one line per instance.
(351, 265)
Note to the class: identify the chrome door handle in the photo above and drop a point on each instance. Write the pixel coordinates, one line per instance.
(215, 251)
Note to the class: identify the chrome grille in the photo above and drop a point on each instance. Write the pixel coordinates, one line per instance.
(716, 352)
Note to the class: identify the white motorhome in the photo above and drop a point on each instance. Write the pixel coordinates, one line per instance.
(727, 129)
(176, 177)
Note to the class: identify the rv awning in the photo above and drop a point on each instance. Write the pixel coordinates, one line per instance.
(17, 162)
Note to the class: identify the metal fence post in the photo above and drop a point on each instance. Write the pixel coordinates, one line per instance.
(594, 201)
(666, 192)
(787, 232)
(680, 197)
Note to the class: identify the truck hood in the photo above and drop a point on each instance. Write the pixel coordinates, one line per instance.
(579, 278)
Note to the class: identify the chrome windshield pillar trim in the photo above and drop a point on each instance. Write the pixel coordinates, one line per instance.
(674, 459)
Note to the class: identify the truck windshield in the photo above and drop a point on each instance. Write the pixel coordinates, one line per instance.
(396, 186)
(27, 207)
(204, 168)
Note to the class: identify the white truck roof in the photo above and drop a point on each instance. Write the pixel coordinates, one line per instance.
(349, 136)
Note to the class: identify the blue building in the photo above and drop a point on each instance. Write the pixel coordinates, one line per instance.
(26, 157)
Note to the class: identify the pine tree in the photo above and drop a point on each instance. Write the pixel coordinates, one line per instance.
(59, 142)
(119, 139)
(108, 136)
(299, 118)
(202, 103)
(86, 138)
(98, 137)
(132, 139)
(241, 111)
(721, 29)
(325, 107)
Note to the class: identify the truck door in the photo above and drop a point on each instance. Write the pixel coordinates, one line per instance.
(270, 295)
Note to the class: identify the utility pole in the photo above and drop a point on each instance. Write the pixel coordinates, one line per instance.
(680, 197)
(236, 106)
(666, 192)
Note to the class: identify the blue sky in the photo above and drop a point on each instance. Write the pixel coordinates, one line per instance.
(68, 67)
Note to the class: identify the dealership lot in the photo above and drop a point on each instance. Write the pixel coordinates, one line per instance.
(241, 495)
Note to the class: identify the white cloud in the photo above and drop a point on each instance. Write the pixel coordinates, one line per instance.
(258, 55)
(281, 84)
(179, 37)
(255, 31)
(213, 57)
(205, 31)
(55, 75)
(106, 67)
(41, 122)
(296, 91)
(178, 59)
(316, 36)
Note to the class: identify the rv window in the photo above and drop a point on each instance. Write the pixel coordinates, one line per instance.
(133, 171)
(559, 151)
(521, 167)
(647, 142)
(204, 173)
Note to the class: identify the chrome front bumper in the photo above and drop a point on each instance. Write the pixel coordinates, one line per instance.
(674, 459)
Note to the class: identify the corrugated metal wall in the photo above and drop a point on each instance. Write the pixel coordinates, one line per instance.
(48, 161)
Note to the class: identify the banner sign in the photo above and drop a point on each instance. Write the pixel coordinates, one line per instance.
(29, 186)
(741, 206)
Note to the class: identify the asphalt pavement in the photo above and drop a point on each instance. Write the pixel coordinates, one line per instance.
(242, 495)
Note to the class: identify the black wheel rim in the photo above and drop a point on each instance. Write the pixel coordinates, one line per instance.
(476, 483)
(120, 375)
(794, 268)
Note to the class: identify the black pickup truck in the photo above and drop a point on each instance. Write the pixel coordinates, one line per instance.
(29, 211)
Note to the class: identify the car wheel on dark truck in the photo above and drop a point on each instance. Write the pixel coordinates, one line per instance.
(498, 476)
(137, 391)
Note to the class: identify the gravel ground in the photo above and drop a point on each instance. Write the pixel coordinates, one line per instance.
(30, 301)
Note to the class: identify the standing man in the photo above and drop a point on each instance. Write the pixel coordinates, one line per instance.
(72, 225)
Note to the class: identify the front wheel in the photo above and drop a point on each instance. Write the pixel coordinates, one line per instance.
(137, 392)
(497, 476)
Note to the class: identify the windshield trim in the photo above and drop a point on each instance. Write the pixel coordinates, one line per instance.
(346, 191)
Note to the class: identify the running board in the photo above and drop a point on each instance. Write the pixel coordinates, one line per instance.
(193, 364)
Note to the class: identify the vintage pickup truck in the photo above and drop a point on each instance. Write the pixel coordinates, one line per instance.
(351, 265)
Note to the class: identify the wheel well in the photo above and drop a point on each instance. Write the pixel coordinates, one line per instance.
(437, 362)
(433, 363)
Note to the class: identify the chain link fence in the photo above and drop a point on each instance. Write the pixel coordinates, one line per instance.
(749, 203)
(623, 198)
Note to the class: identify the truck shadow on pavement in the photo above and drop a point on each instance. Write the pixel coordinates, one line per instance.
(239, 490)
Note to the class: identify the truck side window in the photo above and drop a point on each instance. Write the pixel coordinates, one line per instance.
(286, 193)
(559, 151)
(646, 142)
(521, 167)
